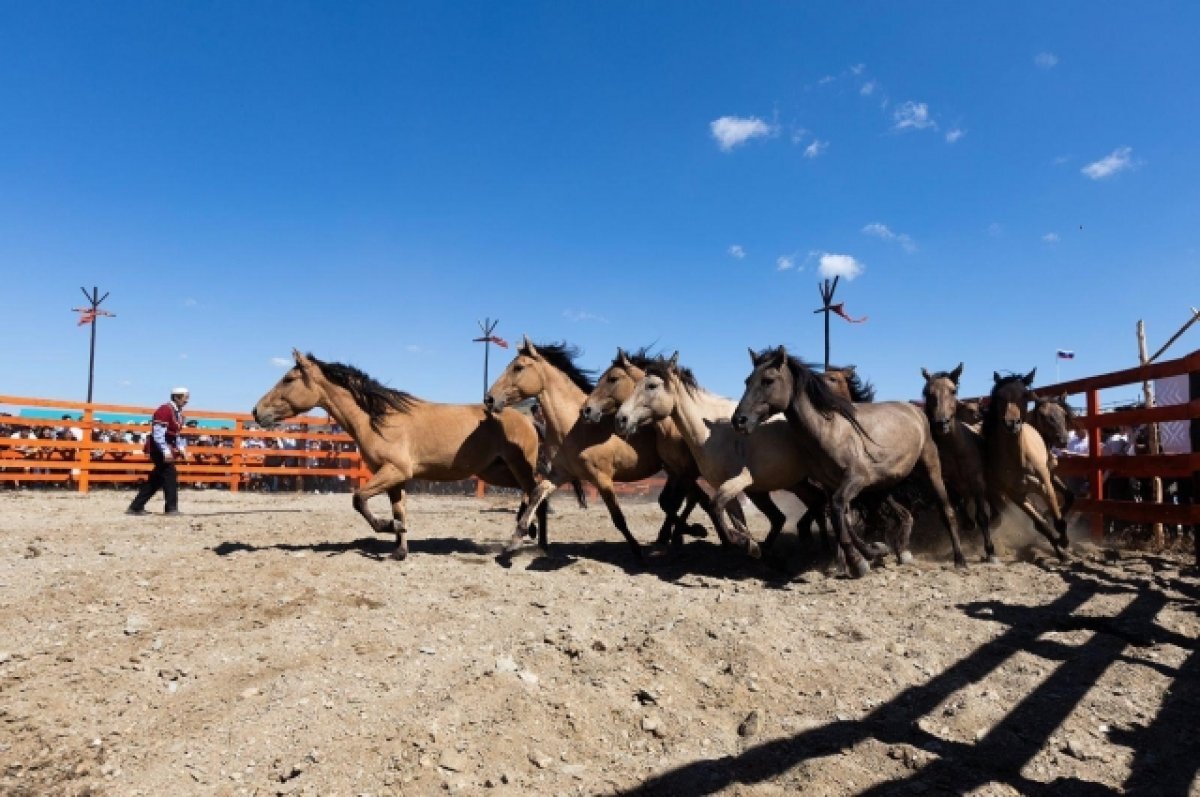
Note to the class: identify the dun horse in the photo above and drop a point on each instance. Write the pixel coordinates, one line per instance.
(401, 437)
(582, 450)
(850, 447)
(1017, 460)
(960, 448)
(1053, 419)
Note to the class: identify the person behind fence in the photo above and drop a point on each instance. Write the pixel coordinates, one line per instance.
(165, 445)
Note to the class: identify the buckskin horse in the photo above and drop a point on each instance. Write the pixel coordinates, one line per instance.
(401, 437)
(850, 447)
(1017, 459)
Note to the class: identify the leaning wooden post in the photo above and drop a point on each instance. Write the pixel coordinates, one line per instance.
(1152, 438)
(1096, 478)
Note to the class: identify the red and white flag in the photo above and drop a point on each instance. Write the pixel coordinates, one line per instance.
(499, 341)
(840, 309)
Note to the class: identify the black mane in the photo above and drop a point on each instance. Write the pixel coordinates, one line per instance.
(376, 399)
(1010, 389)
(641, 358)
(660, 365)
(860, 392)
(562, 357)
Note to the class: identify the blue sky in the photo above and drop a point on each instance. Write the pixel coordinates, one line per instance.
(369, 180)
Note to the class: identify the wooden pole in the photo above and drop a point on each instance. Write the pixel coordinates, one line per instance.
(1152, 439)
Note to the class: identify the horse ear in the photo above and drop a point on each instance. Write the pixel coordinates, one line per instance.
(753, 356)
(1032, 396)
(956, 373)
(1061, 398)
(623, 358)
(996, 376)
(301, 359)
(527, 346)
(779, 359)
(1028, 378)
(674, 363)
(926, 374)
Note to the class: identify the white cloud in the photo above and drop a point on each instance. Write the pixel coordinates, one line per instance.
(733, 131)
(583, 315)
(883, 232)
(826, 80)
(913, 115)
(839, 266)
(1118, 160)
(737, 252)
(798, 135)
(1061, 160)
(815, 149)
(954, 135)
(1045, 60)
(858, 69)
(868, 88)
(1050, 237)
(282, 362)
(995, 230)
(785, 262)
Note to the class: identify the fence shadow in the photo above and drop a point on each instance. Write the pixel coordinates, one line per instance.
(1165, 758)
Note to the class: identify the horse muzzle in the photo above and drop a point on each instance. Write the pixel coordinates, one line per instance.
(1014, 426)
(492, 404)
(743, 423)
(942, 425)
(590, 413)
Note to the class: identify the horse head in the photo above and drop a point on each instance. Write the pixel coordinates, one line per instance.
(295, 393)
(941, 398)
(613, 387)
(652, 398)
(521, 379)
(1009, 401)
(768, 389)
(1052, 418)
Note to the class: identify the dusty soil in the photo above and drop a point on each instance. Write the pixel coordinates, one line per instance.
(267, 645)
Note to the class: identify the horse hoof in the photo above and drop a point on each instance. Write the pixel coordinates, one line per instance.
(400, 554)
(905, 557)
(960, 563)
(991, 559)
(860, 569)
(753, 550)
(696, 530)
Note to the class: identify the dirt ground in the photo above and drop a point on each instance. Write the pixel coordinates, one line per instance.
(267, 645)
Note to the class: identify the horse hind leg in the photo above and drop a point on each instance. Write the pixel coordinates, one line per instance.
(618, 517)
(670, 499)
(1042, 526)
(399, 521)
(901, 538)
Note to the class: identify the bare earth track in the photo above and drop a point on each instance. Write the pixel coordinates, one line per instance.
(266, 645)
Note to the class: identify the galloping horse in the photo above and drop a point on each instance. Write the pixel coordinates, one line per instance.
(583, 450)
(1053, 419)
(850, 447)
(612, 388)
(401, 437)
(960, 448)
(1017, 459)
(768, 460)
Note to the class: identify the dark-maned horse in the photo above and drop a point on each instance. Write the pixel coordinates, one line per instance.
(851, 447)
(960, 448)
(1017, 459)
(401, 437)
(846, 382)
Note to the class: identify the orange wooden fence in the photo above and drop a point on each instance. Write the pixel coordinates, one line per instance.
(1095, 467)
(233, 456)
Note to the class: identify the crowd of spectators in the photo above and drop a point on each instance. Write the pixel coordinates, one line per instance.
(212, 448)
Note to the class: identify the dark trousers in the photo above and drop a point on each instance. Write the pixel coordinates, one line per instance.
(163, 476)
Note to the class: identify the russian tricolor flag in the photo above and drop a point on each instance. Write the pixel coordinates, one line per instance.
(1066, 354)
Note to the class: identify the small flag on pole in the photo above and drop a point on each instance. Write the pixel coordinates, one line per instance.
(840, 309)
(499, 341)
(87, 315)
(1066, 354)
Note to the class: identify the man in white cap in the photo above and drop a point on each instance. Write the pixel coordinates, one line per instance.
(165, 445)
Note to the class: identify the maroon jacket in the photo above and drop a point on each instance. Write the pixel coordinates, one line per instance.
(165, 427)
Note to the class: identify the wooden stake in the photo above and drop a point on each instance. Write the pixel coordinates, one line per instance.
(1152, 438)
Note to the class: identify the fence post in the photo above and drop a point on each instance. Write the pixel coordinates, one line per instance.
(1096, 478)
(238, 458)
(83, 456)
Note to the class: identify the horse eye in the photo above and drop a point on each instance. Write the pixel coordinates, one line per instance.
(767, 381)
(614, 378)
(517, 369)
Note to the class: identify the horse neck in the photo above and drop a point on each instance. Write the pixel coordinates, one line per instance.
(692, 410)
(561, 401)
(342, 407)
(804, 418)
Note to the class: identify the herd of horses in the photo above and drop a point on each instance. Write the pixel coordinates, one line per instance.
(850, 460)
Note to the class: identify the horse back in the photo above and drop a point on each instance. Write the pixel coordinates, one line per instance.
(456, 441)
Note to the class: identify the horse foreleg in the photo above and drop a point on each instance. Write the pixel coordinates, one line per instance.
(763, 503)
(728, 491)
(1041, 525)
(670, 498)
(535, 502)
(380, 482)
(1047, 488)
(900, 540)
(856, 565)
(933, 472)
(605, 489)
